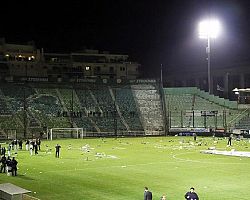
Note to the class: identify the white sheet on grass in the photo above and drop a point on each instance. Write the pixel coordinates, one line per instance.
(228, 153)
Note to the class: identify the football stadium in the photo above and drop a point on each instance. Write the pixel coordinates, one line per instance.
(118, 138)
(87, 125)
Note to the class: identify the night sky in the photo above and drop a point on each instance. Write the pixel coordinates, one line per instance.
(151, 32)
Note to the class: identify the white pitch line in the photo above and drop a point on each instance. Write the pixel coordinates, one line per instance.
(143, 164)
(116, 166)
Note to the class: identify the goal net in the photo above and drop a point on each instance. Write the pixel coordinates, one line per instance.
(55, 133)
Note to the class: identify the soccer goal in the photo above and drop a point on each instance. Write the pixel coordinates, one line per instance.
(55, 133)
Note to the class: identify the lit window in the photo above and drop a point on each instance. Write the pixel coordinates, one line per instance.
(87, 68)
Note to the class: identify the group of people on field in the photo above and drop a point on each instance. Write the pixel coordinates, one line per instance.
(190, 195)
(33, 145)
(8, 165)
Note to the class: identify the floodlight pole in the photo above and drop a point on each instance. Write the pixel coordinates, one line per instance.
(209, 29)
(208, 64)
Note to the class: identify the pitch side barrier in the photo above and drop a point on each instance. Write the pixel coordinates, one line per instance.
(125, 134)
(242, 133)
(191, 131)
(79, 133)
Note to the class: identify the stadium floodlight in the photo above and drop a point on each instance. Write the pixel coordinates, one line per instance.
(208, 29)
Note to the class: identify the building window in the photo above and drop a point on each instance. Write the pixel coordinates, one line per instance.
(54, 59)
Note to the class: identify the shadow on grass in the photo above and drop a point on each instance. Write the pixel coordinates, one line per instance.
(24, 177)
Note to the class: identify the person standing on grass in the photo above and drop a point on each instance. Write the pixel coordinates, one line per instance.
(9, 149)
(147, 194)
(15, 144)
(31, 148)
(38, 141)
(8, 165)
(195, 135)
(36, 148)
(13, 166)
(20, 143)
(57, 150)
(191, 195)
(229, 142)
(27, 145)
(3, 165)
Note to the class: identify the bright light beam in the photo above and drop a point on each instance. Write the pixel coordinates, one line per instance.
(209, 29)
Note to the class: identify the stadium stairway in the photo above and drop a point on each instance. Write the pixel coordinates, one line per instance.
(118, 109)
(96, 121)
(86, 113)
(64, 106)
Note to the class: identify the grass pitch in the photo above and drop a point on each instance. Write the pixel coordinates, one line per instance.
(109, 168)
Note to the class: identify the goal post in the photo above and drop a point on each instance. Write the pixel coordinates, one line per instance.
(65, 133)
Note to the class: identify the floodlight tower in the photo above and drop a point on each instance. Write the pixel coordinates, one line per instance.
(209, 29)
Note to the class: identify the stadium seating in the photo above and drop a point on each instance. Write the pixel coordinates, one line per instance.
(95, 103)
(244, 123)
(47, 107)
(4, 107)
(148, 100)
(191, 107)
(127, 105)
(113, 110)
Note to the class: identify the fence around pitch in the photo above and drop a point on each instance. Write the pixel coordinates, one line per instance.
(87, 134)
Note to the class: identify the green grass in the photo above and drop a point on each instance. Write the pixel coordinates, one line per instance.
(162, 163)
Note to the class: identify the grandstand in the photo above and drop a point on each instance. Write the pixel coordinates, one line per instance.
(244, 123)
(128, 109)
(193, 108)
(108, 109)
(150, 106)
